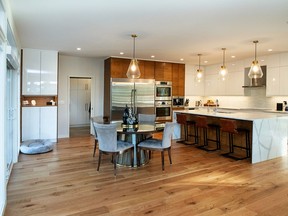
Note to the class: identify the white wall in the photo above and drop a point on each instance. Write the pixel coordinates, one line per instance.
(71, 66)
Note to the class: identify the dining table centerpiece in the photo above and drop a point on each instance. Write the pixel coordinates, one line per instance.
(129, 118)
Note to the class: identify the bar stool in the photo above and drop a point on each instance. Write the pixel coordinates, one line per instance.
(201, 123)
(182, 120)
(230, 126)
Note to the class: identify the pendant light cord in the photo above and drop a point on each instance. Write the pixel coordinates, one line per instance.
(134, 36)
(224, 57)
(255, 42)
(199, 61)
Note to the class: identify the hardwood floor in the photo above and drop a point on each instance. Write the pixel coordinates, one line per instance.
(65, 182)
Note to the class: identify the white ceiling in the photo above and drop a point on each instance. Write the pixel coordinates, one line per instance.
(168, 29)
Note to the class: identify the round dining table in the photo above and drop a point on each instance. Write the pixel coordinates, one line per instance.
(133, 134)
(136, 133)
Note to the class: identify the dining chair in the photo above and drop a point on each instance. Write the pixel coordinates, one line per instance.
(148, 119)
(108, 143)
(96, 139)
(161, 145)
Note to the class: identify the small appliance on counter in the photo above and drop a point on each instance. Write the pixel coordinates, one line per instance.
(279, 106)
(178, 101)
(285, 106)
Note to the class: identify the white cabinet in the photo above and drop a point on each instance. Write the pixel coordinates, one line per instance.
(277, 81)
(283, 77)
(39, 123)
(272, 81)
(234, 83)
(40, 71)
(211, 85)
(49, 68)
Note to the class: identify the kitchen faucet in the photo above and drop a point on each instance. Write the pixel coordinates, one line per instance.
(217, 104)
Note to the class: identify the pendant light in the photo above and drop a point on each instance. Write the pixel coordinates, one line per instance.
(255, 70)
(133, 71)
(223, 71)
(199, 73)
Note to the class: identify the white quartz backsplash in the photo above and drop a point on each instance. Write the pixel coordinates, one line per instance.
(256, 99)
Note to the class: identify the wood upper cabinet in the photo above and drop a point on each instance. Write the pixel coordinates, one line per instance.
(163, 71)
(119, 67)
(175, 78)
(178, 79)
(181, 80)
(146, 69)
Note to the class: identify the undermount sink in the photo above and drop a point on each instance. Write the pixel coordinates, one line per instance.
(227, 112)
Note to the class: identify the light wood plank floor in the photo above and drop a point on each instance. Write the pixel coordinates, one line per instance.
(65, 182)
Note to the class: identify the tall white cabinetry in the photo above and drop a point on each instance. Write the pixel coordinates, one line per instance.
(39, 72)
(39, 83)
(277, 75)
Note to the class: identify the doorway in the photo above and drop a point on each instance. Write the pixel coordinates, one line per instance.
(80, 106)
(11, 118)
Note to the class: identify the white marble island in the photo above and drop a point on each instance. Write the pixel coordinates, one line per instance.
(269, 130)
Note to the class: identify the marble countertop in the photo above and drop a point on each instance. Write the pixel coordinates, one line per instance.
(234, 114)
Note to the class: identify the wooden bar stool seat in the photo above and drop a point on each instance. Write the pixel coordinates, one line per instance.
(182, 120)
(230, 126)
(202, 123)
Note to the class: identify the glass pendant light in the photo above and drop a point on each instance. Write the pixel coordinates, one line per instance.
(223, 71)
(255, 70)
(133, 71)
(199, 73)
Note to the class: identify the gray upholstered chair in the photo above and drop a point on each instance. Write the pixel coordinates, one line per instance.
(96, 139)
(159, 145)
(148, 119)
(108, 144)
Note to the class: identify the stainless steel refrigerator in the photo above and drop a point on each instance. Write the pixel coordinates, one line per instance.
(135, 93)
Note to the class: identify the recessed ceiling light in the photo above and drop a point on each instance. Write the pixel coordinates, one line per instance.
(78, 48)
(152, 56)
(233, 56)
(206, 62)
(181, 59)
(262, 60)
(121, 53)
(270, 50)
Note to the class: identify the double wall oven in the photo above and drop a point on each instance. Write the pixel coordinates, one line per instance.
(163, 100)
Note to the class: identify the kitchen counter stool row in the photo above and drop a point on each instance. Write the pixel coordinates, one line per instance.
(210, 131)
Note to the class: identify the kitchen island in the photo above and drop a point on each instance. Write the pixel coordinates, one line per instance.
(268, 130)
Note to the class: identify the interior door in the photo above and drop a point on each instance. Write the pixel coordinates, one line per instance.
(80, 101)
(11, 131)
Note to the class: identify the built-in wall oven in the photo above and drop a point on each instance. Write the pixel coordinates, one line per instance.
(163, 110)
(163, 90)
